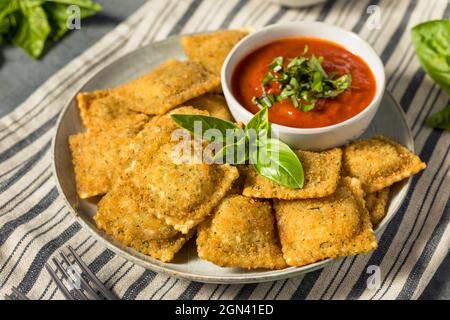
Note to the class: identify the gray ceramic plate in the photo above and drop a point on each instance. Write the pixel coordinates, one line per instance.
(389, 121)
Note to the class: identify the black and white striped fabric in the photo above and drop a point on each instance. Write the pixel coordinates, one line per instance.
(34, 223)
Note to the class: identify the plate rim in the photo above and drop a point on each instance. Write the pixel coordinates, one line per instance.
(157, 266)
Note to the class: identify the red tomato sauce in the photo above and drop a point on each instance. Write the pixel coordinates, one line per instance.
(246, 82)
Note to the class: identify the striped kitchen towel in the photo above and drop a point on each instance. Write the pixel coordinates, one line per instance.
(34, 222)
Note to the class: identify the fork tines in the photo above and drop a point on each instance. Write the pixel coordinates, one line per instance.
(16, 295)
(77, 281)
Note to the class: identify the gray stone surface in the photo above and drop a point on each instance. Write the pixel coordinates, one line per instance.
(21, 75)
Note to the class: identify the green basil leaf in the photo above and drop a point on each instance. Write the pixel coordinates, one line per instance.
(440, 119)
(308, 107)
(296, 62)
(277, 162)
(343, 82)
(305, 49)
(8, 26)
(276, 64)
(260, 123)
(315, 64)
(269, 77)
(33, 30)
(317, 82)
(58, 15)
(8, 7)
(187, 121)
(238, 150)
(83, 4)
(431, 41)
(295, 102)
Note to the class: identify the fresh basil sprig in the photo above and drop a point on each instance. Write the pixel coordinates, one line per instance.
(303, 80)
(30, 24)
(270, 157)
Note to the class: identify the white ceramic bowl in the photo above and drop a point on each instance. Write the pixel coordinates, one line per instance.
(308, 138)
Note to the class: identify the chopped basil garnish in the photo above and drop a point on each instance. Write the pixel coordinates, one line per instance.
(303, 80)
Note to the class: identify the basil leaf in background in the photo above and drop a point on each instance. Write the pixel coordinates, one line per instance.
(8, 26)
(431, 41)
(58, 15)
(87, 7)
(277, 162)
(8, 7)
(187, 121)
(33, 30)
(83, 4)
(440, 119)
(29, 24)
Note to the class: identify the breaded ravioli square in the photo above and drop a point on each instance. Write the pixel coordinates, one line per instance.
(213, 103)
(158, 131)
(241, 233)
(376, 203)
(99, 109)
(167, 86)
(312, 230)
(211, 49)
(379, 162)
(99, 157)
(181, 194)
(321, 172)
(122, 214)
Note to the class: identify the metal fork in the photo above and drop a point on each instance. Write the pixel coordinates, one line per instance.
(78, 282)
(16, 295)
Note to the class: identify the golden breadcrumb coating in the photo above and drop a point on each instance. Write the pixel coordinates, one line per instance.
(241, 233)
(211, 49)
(376, 203)
(166, 86)
(312, 230)
(321, 171)
(379, 162)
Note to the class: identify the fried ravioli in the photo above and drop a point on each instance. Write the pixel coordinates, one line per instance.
(376, 203)
(99, 156)
(167, 86)
(99, 109)
(180, 194)
(211, 49)
(321, 170)
(241, 233)
(122, 213)
(379, 162)
(312, 230)
(213, 103)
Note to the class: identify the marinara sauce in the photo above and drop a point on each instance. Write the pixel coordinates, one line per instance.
(247, 77)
